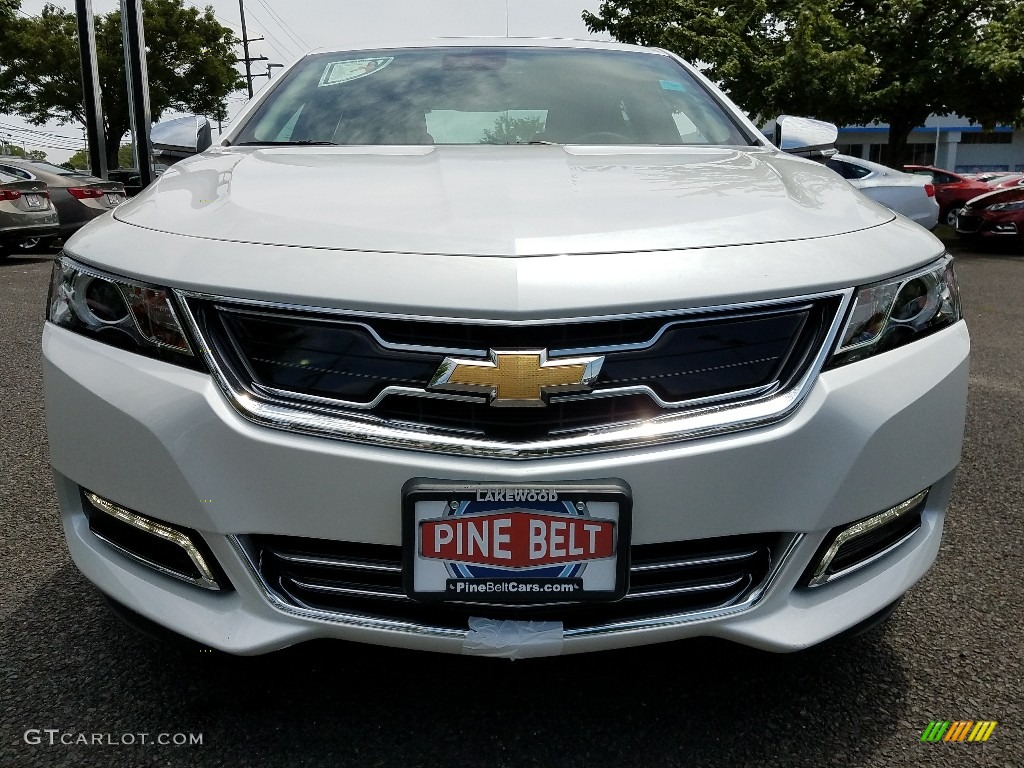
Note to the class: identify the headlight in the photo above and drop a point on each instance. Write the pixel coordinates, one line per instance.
(1015, 206)
(117, 311)
(890, 314)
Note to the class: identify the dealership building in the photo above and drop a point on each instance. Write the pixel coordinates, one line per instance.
(947, 142)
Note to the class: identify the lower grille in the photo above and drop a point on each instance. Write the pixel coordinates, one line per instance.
(968, 223)
(365, 580)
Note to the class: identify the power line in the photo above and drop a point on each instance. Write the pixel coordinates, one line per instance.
(33, 130)
(282, 47)
(55, 142)
(221, 19)
(284, 26)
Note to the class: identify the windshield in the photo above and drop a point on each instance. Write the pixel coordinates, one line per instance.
(490, 96)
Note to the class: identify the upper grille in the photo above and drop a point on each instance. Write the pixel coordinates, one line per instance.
(378, 370)
(365, 580)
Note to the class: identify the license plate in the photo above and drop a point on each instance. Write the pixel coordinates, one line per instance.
(33, 201)
(114, 199)
(498, 543)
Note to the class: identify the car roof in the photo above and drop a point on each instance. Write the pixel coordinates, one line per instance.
(44, 174)
(488, 42)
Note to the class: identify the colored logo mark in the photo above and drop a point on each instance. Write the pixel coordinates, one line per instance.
(958, 730)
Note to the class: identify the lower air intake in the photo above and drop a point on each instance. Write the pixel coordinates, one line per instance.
(365, 581)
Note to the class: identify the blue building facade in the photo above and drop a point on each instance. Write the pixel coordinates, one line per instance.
(947, 142)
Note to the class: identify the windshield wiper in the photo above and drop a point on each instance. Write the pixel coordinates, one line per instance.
(299, 143)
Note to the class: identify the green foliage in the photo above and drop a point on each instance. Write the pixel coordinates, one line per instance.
(80, 159)
(847, 61)
(19, 151)
(190, 62)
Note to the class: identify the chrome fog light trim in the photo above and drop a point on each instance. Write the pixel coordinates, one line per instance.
(207, 578)
(821, 572)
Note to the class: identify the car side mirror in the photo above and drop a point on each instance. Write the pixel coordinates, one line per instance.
(805, 136)
(181, 137)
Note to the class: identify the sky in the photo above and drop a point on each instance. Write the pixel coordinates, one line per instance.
(292, 27)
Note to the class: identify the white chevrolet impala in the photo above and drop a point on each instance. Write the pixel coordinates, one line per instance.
(508, 348)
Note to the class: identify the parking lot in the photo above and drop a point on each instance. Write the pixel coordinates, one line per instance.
(952, 651)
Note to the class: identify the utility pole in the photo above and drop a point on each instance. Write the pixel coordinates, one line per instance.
(248, 60)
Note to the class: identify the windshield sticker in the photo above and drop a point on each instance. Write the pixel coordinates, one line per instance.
(353, 69)
(672, 85)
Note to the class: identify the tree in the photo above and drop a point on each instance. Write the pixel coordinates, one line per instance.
(14, 150)
(80, 159)
(846, 61)
(190, 60)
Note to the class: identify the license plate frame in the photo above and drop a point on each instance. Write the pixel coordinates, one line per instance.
(594, 577)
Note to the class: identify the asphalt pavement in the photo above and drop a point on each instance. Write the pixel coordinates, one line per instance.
(952, 651)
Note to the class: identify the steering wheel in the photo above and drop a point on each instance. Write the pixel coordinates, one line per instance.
(602, 137)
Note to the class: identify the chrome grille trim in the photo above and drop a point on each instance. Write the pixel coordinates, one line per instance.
(337, 562)
(784, 550)
(360, 592)
(647, 594)
(693, 561)
(701, 418)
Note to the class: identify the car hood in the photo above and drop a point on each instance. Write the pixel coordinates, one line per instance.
(1011, 195)
(528, 200)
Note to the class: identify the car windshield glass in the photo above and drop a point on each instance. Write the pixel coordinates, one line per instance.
(490, 96)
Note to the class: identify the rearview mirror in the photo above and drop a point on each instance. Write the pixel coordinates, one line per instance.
(181, 137)
(805, 136)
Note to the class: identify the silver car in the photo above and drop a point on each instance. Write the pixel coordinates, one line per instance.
(26, 213)
(78, 197)
(909, 194)
(509, 348)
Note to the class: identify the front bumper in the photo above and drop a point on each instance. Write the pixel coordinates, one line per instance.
(163, 441)
(20, 233)
(972, 224)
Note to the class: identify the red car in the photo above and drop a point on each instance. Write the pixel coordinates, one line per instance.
(952, 190)
(998, 215)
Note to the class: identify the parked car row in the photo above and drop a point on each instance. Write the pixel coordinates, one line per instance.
(41, 202)
(952, 190)
(979, 206)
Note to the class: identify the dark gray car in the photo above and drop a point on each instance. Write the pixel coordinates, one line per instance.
(26, 213)
(78, 198)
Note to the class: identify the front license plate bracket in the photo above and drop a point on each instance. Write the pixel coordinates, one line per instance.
(516, 543)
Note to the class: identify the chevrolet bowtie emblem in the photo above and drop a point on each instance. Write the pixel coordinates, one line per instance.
(517, 378)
